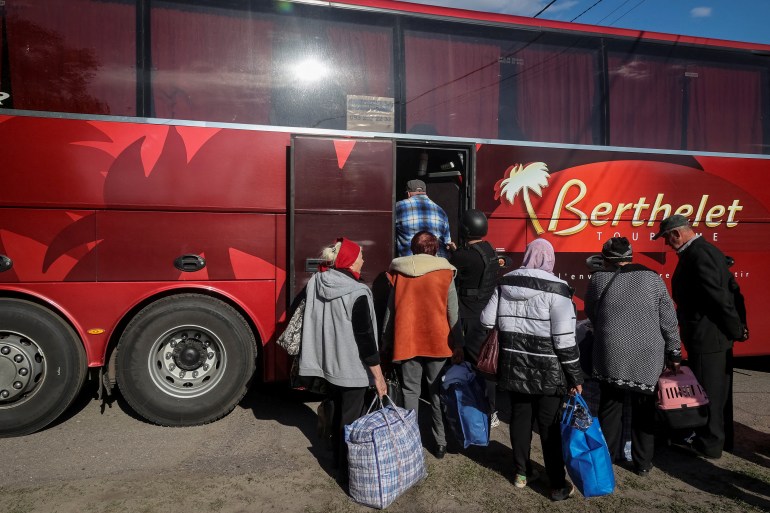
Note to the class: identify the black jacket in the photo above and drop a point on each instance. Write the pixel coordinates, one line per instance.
(529, 364)
(700, 286)
(535, 317)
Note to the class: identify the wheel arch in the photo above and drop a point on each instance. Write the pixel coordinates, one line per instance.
(112, 344)
(54, 307)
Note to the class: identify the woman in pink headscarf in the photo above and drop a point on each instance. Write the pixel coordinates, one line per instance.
(539, 360)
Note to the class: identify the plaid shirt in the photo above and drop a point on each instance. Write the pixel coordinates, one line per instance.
(420, 213)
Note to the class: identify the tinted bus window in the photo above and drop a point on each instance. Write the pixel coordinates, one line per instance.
(550, 93)
(677, 99)
(510, 86)
(3, 79)
(211, 64)
(71, 56)
(724, 108)
(646, 99)
(280, 66)
(452, 85)
(320, 65)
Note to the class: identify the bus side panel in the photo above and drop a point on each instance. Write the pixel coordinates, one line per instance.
(96, 164)
(138, 246)
(53, 162)
(342, 188)
(578, 199)
(276, 363)
(199, 168)
(48, 245)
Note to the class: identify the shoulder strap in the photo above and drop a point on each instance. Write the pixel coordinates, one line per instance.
(604, 292)
(529, 282)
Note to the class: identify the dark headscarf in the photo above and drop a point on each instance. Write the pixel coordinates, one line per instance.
(617, 249)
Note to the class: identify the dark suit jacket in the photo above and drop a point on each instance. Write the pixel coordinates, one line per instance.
(706, 310)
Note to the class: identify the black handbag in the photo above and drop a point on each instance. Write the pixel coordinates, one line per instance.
(395, 389)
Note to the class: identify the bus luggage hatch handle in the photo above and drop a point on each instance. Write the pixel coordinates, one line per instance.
(5, 263)
(190, 263)
(311, 264)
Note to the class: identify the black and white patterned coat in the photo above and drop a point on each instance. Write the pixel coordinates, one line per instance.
(538, 353)
(635, 327)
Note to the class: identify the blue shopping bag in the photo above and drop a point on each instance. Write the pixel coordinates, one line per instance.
(465, 405)
(585, 451)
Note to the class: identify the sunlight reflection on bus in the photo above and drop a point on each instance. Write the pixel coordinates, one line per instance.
(310, 70)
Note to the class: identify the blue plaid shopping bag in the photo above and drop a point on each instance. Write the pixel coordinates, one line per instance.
(385, 455)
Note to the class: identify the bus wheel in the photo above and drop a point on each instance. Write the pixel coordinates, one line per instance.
(42, 366)
(185, 360)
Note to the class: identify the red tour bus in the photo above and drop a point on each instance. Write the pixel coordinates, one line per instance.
(166, 185)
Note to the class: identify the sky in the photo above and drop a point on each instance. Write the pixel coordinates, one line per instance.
(735, 20)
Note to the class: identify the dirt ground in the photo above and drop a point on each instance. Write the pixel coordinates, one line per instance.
(266, 456)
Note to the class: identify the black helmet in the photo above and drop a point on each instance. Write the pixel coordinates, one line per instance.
(474, 225)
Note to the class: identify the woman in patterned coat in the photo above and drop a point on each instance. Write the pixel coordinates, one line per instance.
(635, 337)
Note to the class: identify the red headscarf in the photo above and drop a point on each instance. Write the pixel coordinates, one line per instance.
(346, 256)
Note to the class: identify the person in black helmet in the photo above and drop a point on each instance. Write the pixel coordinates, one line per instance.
(477, 272)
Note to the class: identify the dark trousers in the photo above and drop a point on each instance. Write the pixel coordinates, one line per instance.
(642, 423)
(728, 411)
(526, 410)
(714, 372)
(475, 334)
(348, 406)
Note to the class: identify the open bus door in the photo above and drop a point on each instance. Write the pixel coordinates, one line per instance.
(446, 171)
(340, 187)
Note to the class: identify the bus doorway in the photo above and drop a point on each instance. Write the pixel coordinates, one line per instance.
(446, 171)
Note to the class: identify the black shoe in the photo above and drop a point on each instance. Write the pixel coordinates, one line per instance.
(643, 472)
(704, 451)
(440, 452)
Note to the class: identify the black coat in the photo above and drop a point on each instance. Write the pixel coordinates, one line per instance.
(700, 286)
(529, 364)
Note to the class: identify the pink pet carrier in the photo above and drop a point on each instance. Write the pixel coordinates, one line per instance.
(682, 400)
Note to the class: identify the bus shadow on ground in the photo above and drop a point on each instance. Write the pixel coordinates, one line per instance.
(279, 403)
(88, 393)
(741, 482)
(753, 445)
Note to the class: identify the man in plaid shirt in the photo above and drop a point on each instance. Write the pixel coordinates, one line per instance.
(417, 213)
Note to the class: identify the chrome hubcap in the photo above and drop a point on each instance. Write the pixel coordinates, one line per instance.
(187, 361)
(21, 367)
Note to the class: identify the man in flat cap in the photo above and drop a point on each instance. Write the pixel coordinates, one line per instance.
(418, 213)
(708, 321)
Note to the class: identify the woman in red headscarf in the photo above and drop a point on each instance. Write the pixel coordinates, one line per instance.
(339, 338)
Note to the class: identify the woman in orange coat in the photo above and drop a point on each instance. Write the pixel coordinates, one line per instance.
(422, 322)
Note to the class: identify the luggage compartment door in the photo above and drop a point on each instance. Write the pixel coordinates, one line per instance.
(340, 187)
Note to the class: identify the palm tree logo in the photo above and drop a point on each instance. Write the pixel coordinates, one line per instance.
(532, 177)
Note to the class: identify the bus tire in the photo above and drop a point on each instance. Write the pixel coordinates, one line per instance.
(185, 360)
(42, 366)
